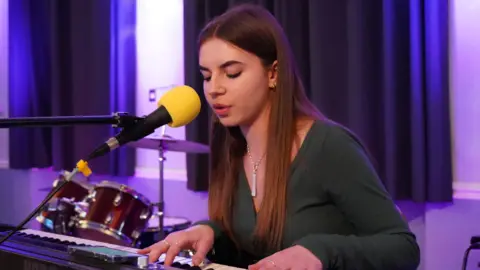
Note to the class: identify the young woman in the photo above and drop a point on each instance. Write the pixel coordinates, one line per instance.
(289, 188)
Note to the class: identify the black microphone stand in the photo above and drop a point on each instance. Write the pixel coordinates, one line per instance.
(121, 120)
(118, 119)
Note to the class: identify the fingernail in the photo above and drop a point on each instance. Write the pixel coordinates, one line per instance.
(196, 261)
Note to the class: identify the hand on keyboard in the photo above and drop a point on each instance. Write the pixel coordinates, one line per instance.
(199, 238)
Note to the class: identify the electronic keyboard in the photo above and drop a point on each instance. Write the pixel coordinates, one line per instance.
(33, 249)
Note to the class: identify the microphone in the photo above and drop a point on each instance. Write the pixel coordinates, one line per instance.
(177, 108)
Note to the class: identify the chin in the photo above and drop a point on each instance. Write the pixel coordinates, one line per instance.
(228, 121)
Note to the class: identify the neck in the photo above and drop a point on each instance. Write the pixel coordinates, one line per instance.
(256, 135)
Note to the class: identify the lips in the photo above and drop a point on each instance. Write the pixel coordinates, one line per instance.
(221, 109)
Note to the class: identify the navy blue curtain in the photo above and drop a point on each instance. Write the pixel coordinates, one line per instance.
(70, 57)
(377, 67)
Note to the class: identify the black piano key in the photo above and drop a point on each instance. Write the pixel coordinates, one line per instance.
(181, 265)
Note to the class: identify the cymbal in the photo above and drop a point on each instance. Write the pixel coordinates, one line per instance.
(170, 144)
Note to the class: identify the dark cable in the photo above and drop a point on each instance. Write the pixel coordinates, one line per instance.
(467, 253)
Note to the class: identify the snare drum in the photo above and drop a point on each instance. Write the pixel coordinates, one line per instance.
(73, 191)
(170, 224)
(116, 214)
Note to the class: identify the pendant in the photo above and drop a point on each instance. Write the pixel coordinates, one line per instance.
(254, 184)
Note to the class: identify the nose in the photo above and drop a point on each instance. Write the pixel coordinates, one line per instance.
(216, 88)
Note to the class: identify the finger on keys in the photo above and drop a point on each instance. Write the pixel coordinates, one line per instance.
(154, 255)
(145, 250)
(201, 251)
(154, 251)
(172, 252)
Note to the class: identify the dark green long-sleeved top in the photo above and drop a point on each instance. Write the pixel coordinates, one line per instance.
(337, 208)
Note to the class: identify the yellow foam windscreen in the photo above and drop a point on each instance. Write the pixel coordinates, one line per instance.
(182, 103)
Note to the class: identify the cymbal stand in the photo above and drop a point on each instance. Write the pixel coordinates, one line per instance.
(161, 204)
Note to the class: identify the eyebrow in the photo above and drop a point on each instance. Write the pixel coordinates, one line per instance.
(224, 65)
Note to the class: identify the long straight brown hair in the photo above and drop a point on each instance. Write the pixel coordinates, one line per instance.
(255, 30)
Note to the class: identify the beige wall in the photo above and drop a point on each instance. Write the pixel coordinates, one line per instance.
(465, 93)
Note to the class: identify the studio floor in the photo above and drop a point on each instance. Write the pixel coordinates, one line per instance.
(443, 230)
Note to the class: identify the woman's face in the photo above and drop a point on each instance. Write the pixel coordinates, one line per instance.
(236, 84)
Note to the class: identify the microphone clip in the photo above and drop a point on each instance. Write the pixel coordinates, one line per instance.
(124, 120)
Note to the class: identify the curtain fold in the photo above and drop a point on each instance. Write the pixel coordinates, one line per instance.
(70, 58)
(378, 67)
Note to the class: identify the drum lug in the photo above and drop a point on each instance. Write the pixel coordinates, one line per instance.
(135, 234)
(71, 223)
(81, 209)
(118, 199)
(91, 197)
(108, 219)
(145, 214)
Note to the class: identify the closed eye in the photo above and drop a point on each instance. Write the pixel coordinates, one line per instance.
(233, 76)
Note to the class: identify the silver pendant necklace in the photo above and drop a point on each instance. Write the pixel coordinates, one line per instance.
(254, 173)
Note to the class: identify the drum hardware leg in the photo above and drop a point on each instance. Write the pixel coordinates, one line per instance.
(136, 243)
(160, 216)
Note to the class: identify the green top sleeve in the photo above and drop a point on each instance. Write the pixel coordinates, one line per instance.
(217, 230)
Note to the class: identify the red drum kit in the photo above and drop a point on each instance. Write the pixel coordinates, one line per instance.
(111, 212)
